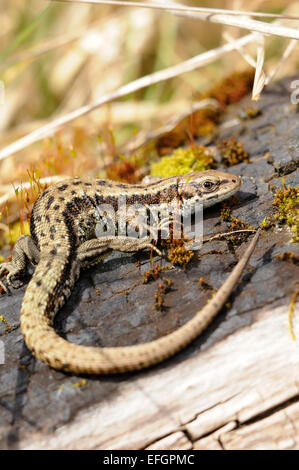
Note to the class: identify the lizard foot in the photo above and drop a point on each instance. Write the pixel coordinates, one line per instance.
(11, 278)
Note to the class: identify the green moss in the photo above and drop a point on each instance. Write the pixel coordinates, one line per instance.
(288, 256)
(225, 213)
(152, 274)
(252, 112)
(286, 201)
(232, 152)
(183, 161)
(267, 223)
(178, 254)
(238, 224)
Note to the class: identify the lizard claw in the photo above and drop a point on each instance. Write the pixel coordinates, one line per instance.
(4, 288)
(11, 277)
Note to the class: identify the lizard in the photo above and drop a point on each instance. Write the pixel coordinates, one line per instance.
(63, 241)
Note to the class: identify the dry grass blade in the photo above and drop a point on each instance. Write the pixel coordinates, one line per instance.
(289, 49)
(156, 77)
(224, 17)
(260, 77)
(184, 8)
(241, 50)
(244, 22)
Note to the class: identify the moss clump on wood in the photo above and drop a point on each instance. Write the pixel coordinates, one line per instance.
(178, 254)
(286, 201)
(184, 161)
(286, 204)
(152, 274)
(232, 152)
(163, 288)
(267, 223)
(287, 256)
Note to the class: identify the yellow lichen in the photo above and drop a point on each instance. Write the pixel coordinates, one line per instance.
(81, 383)
(184, 161)
(3, 320)
(226, 208)
(8, 327)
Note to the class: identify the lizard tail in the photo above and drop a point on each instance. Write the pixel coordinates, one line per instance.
(58, 353)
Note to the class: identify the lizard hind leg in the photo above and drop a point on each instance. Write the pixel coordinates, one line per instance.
(24, 251)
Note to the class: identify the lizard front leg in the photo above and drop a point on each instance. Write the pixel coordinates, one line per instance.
(25, 250)
(92, 251)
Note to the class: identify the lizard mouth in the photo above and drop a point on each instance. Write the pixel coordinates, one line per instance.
(216, 198)
(227, 188)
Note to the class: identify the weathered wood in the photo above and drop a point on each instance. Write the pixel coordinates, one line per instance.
(280, 431)
(175, 441)
(213, 440)
(238, 379)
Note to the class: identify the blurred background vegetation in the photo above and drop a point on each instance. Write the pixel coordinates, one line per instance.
(56, 57)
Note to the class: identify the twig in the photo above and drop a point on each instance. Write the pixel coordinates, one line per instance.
(226, 234)
(289, 49)
(235, 18)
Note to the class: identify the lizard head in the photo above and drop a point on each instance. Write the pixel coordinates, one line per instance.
(207, 187)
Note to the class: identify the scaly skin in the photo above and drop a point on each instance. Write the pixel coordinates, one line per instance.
(63, 240)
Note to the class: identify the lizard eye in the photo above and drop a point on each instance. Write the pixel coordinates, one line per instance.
(208, 185)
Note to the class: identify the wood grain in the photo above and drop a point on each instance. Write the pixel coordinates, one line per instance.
(251, 374)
